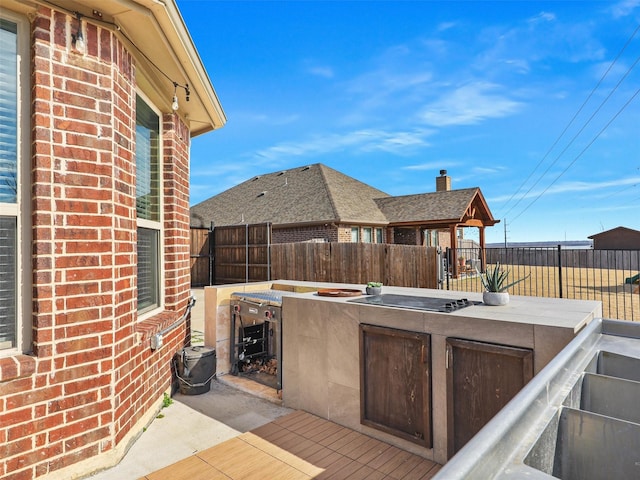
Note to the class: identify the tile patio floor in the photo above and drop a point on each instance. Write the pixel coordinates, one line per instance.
(300, 446)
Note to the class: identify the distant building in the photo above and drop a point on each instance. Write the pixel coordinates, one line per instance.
(619, 238)
(315, 203)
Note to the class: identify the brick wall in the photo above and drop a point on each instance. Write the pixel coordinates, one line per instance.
(324, 233)
(344, 234)
(328, 233)
(406, 236)
(92, 380)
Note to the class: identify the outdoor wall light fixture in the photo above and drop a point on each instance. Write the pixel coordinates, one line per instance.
(79, 44)
(174, 102)
(78, 38)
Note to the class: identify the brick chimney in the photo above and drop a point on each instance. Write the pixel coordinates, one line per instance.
(443, 182)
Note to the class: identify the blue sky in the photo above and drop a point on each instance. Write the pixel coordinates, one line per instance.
(391, 92)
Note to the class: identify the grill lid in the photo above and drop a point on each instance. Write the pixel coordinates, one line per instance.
(267, 297)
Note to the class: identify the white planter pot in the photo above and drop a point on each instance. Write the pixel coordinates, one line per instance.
(495, 298)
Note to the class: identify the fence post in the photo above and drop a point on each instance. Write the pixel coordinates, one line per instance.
(560, 270)
(212, 262)
(446, 266)
(246, 253)
(268, 251)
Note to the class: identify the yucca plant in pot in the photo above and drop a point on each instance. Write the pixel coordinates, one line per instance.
(495, 284)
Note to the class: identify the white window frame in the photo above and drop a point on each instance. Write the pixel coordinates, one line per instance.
(367, 235)
(431, 237)
(155, 225)
(379, 235)
(21, 210)
(355, 234)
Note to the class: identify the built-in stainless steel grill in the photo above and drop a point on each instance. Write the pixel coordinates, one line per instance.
(268, 297)
(256, 335)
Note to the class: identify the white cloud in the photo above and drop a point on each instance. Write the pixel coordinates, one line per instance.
(543, 17)
(436, 165)
(383, 82)
(358, 141)
(487, 170)
(444, 26)
(385, 92)
(325, 72)
(576, 186)
(468, 105)
(624, 8)
(397, 142)
(269, 118)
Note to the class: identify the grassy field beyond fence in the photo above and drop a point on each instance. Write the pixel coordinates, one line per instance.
(619, 299)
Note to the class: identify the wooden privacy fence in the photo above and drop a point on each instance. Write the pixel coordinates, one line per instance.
(241, 253)
(201, 256)
(233, 254)
(359, 263)
(244, 253)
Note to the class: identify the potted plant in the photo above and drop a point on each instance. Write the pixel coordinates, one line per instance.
(374, 288)
(494, 282)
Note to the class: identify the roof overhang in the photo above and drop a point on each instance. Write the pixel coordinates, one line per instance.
(333, 222)
(446, 223)
(163, 49)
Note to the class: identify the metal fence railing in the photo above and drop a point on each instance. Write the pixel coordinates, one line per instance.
(609, 276)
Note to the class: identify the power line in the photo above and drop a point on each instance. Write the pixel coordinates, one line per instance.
(567, 126)
(580, 154)
(573, 139)
(629, 187)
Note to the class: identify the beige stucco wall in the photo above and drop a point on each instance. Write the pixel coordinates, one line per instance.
(321, 371)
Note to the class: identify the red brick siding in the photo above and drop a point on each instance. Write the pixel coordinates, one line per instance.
(92, 375)
(324, 233)
(406, 236)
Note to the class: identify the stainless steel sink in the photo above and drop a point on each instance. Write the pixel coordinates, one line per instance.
(616, 365)
(597, 427)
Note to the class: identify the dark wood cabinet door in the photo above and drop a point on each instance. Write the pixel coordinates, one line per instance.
(481, 379)
(395, 383)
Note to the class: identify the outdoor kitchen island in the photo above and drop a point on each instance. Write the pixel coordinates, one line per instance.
(425, 381)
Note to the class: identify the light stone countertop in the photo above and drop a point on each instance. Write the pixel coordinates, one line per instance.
(556, 312)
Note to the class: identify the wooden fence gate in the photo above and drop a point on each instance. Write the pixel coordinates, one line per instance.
(201, 257)
(233, 254)
(241, 254)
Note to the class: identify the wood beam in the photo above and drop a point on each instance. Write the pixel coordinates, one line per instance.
(483, 252)
(453, 231)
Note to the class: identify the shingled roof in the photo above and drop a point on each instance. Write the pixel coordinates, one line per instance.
(316, 194)
(304, 195)
(446, 207)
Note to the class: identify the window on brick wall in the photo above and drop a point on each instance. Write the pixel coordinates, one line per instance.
(379, 238)
(355, 234)
(148, 206)
(14, 332)
(367, 236)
